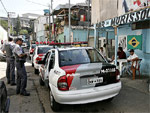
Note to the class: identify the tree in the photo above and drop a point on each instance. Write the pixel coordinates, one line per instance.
(4, 24)
(18, 26)
(23, 32)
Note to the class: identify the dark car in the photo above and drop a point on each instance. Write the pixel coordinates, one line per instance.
(4, 101)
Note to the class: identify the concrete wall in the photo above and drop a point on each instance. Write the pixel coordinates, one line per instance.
(40, 36)
(78, 34)
(61, 38)
(66, 33)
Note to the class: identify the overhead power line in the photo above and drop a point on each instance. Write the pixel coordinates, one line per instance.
(37, 3)
(3, 6)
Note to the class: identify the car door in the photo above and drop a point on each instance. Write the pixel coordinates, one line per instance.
(45, 71)
(43, 66)
(52, 71)
(32, 58)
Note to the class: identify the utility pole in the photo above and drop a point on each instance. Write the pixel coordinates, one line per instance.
(69, 23)
(8, 14)
(52, 19)
(89, 23)
(49, 24)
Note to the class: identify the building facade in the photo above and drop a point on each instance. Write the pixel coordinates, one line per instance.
(133, 28)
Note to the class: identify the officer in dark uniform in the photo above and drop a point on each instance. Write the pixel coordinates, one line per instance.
(10, 59)
(20, 58)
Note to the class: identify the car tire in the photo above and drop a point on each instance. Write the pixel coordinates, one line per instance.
(109, 100)
(32, 64)
(54, 105)
(41, 81)
(29, 58)
(3, 97)
(36, 71)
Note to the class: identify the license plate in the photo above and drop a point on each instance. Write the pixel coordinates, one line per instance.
(91, 81)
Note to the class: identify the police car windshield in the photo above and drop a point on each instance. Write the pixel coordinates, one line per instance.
(43, 50)
(79, 56)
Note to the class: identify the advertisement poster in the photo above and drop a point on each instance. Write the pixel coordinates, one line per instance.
(122, 42)
(126, 6)
(134, 42)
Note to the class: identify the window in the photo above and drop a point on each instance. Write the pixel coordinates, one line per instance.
(46, 59)
(79, 56)
(43, 49)
(52, 61)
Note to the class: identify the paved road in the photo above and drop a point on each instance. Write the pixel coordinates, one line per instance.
(129, 100)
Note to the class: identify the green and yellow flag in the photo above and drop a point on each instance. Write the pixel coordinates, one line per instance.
(134, 42)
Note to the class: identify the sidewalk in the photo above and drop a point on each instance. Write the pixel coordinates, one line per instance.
(18, 103)
(140, 84)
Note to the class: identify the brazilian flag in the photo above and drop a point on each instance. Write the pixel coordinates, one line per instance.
(134, 42)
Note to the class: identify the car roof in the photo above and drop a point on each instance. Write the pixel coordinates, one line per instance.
(44, 46)
(72, 48)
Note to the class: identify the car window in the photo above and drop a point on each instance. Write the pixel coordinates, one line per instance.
(43, 49)
(52, 61)
(79, 56)
(46, 59)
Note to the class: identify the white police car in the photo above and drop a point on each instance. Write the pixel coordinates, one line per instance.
(38, 55)
(78, 76)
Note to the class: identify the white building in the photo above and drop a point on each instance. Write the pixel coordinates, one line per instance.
(39, 28)
(3, 35)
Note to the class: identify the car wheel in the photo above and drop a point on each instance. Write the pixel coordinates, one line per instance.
(36, 71)
(3, 96)
(29, 58)
(32, 64)
(54, 105)
(109, 100)
(41, 81)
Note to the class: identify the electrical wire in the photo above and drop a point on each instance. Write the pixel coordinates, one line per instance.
(36, 3)
(3, 6)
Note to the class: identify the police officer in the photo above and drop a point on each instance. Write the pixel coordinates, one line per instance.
(20, 58)
(10, 59)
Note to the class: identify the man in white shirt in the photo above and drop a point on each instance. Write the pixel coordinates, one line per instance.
(132, 61)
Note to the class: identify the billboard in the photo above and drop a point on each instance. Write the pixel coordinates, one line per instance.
(126, 6)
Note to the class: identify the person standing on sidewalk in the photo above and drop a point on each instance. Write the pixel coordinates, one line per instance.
(10, 59)
(20, 58)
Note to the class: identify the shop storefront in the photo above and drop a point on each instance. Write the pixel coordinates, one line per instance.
(133, 32)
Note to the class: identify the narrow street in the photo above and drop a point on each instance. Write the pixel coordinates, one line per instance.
(130, 99)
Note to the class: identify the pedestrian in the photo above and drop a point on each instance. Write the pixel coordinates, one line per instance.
(102, 52)
(121, 54)
(20, 58)
(10, 59)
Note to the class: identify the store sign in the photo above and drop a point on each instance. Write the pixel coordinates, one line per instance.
(128, 18)
(134, 42)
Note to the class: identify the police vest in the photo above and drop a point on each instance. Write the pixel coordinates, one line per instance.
(8, 50)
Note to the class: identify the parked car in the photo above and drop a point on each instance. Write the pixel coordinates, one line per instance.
(38, 55)
(31, 50)
(4, 101)
(78, 76)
